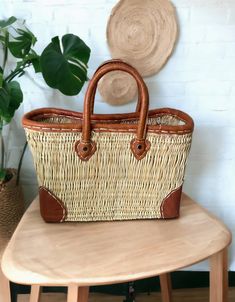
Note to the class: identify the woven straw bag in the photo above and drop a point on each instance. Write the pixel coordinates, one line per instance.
(94, 167)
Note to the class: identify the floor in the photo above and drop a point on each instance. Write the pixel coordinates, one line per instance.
(188, 295)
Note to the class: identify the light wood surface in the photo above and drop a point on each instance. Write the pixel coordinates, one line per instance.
(4, 288)
(182, 295)
(35, 293)
(4, 283)
(72, 293)
(111, 252)
(77, 294)
(166, 290)
(219, 277)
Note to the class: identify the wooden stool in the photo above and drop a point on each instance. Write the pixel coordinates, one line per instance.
(79, 255)
(4, 283)
(5, 295)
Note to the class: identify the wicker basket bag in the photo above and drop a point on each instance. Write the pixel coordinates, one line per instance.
(94, 167)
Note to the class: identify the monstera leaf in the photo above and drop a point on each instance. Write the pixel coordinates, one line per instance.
(11, 97)
(64, 65)
(31, 58)
(8, 22)
(21, 45)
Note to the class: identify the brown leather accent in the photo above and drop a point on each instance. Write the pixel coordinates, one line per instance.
(140, 148)
(89, 103)
(103, 64)
(52, 209)
(93, 95)
(31, 120)
(170, 206)
(85, 150)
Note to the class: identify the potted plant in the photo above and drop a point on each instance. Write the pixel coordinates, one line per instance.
(63, 65)
(18, 41)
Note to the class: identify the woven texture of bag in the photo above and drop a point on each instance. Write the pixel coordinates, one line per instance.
(111, 166)
(11, 209)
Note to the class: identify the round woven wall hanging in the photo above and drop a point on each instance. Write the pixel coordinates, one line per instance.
(117, 88)
(143, 33)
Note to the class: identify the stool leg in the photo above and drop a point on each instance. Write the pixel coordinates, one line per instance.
(5, 293)
(219, 277)
(35, 293)
(72, 293)
(166, 289)
(83, 294)
(77, 294)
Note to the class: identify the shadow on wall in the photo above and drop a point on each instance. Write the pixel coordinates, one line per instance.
(206, 170)
(209, 175)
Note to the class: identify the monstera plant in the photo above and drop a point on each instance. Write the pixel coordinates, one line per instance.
(18, 41)
(63, 65)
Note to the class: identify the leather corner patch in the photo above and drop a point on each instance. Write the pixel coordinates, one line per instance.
(170, 206)
(52, 209)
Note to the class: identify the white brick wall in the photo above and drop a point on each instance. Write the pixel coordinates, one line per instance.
(199, 78)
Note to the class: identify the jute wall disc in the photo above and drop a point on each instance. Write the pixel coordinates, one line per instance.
(117, 88)
(143, 33)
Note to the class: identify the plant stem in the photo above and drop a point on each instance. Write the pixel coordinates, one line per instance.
(2, 147)
(20, 163)
(13, 74)
(5, 49)
(16, 72)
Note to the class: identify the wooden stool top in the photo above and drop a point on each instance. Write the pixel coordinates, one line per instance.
(100, 253)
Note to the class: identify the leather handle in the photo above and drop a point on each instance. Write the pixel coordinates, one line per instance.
(93, 95)
(139, 146)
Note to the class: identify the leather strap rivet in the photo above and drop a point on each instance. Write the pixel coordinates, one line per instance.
(85, 150)
(140, 148)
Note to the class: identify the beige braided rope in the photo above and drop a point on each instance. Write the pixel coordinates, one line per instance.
(112, 185)
(142, 33)
(11, 209)
(117, 88)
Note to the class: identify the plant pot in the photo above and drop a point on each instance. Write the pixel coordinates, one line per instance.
(11, 208)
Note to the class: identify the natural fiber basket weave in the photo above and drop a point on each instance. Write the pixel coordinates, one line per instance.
(109, 167)
(117, 88)
(143, 33)
(11, 209)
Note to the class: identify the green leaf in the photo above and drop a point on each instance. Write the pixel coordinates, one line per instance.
(75, 48)
(36, 64)
(22, 43)
(65, 69)
(1, 77)
(11, 97)
(26, 60)
(2, 175)
(5, 23)
(34, 58)
(2, 39)
(4, 100)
